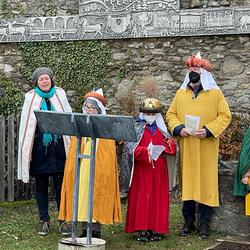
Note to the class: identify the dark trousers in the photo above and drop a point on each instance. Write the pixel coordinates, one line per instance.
(42, 185)
(189, 210)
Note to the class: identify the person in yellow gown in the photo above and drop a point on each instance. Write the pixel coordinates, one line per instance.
(198, 114)
(106, 205)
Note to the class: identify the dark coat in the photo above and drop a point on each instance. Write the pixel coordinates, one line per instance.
(47, 160)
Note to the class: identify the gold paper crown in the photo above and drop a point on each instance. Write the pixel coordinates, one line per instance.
(150, 105)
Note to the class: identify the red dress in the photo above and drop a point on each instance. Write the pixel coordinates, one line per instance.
(148, 196)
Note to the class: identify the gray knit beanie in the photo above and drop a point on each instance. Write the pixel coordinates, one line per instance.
(41, 71)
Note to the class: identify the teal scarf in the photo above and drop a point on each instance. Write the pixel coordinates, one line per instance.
(47, 137)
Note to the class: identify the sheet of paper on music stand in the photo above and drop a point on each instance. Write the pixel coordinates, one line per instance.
(155, 151)
(192, 123)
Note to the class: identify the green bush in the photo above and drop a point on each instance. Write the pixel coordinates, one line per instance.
(77, 66)
(12, 100)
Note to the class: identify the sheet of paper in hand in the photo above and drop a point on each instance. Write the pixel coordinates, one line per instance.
(192, 123)
(155, 151)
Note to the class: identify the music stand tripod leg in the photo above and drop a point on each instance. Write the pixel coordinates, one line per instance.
(76, 189)
(91, 191)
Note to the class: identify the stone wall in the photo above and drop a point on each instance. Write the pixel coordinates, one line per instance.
(161, 58)
(30, 8)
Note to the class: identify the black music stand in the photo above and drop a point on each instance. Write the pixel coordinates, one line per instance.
(85, 125)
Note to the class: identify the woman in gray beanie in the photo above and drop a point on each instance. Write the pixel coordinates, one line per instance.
(43, 154)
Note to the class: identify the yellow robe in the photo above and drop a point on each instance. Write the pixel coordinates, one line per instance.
(84, 183)
(199, 157)
(247, 201)
(247, 204)
(107, 206)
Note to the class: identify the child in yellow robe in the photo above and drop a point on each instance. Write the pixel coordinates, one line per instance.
(106, 205)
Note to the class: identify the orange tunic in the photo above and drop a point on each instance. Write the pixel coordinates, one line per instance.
(107, 205)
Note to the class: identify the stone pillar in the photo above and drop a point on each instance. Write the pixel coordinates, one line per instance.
(230, 217)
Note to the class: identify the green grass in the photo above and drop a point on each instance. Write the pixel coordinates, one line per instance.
(19, 223)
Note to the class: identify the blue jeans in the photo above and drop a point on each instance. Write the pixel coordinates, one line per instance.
(189, 209)
(42, 184)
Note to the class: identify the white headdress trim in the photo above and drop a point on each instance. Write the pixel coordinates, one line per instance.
(159, 122)
(207, 81)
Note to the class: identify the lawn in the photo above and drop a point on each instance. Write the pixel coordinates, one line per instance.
(19, 224)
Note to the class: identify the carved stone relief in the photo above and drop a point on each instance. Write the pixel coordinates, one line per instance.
(215, 21)
(114, 19)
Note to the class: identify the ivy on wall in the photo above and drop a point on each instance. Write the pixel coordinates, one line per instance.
(8, 12)
(6, 9)
(12, 100)
(79, 66)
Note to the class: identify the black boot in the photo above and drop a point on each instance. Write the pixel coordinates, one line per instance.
(206, 213)
(154, 236)
(188, 227)
(204, 230)
(143, 235)
(84, 233)
(95, 234)
(96, 230)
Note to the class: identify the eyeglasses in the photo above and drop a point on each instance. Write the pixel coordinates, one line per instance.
(89, 107)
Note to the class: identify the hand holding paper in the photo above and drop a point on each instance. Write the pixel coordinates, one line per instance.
(192, 123)
(155, 151)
